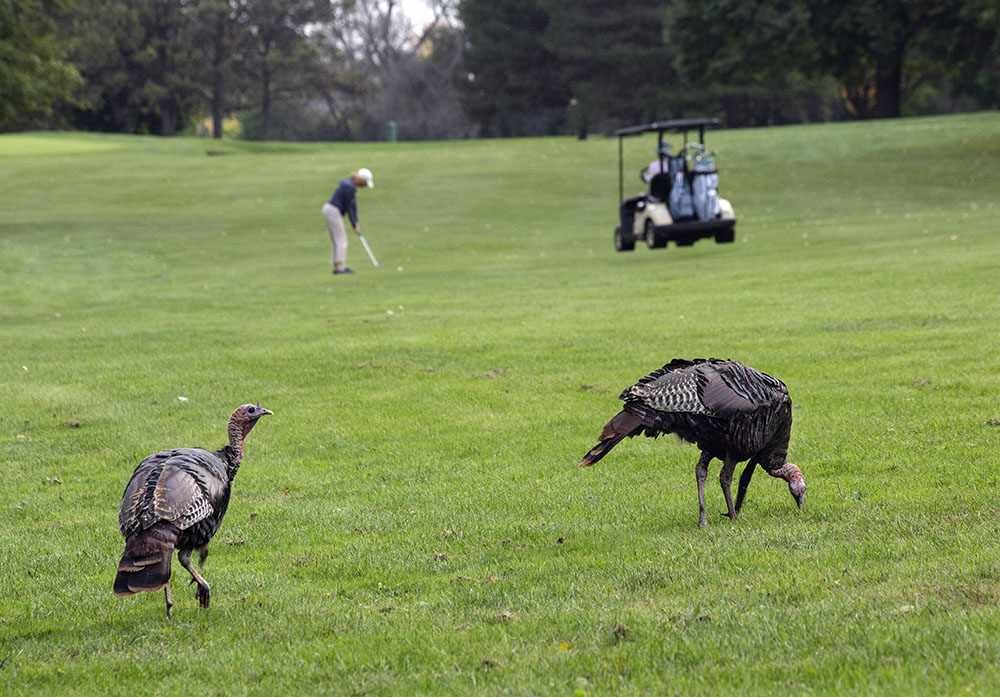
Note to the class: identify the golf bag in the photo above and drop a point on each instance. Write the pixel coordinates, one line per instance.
(705, 189)
(679, 203)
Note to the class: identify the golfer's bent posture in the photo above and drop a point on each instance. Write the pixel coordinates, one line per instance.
(343, 202)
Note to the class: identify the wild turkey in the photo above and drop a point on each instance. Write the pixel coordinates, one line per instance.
(730, 411)
(176, 500)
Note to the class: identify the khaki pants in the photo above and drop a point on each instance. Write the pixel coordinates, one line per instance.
(335, 223)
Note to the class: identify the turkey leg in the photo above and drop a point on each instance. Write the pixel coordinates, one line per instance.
(744, 483)
(203, 591)
(726, 481)
(701, 473)
(170, 605)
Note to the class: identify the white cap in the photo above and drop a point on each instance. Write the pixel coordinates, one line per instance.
(366, 174)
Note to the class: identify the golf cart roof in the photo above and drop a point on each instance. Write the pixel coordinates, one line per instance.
(661, 126)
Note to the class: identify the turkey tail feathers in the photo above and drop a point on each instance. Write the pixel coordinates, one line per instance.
(599, 451)
(623, 425)
(146, 574)
(145, 564)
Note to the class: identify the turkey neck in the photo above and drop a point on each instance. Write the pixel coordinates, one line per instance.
(233, 452)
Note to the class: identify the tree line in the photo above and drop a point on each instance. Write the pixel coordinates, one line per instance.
(347, 69)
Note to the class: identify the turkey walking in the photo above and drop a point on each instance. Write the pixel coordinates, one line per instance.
(176, 500)
(730, 411)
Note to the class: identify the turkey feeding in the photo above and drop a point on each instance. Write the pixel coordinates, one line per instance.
(176, 500)
(729, 410)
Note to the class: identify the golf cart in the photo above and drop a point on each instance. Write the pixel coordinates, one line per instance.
(682, 201)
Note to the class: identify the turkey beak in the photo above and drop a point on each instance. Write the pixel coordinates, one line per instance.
(796, 484)
(798, 489)
(263, 411)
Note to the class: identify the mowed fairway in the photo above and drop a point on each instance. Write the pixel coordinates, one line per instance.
(412, 519)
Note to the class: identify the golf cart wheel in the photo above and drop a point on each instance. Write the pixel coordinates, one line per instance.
(725, 236)
(654, 240)
(624, 242)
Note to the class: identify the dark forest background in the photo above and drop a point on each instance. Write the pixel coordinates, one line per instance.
(360, 70)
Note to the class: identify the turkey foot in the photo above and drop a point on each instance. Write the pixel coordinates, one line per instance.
(203, 591)
(202, 594)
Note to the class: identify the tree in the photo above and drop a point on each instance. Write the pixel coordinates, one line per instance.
(171, 84)
(864, 44)
(612, 58)
(751, 61)
(757, 40)
(138, 64)
(587, 64)
(217, 31)
(976, 52)
(33, 73)
(415, 89)
(279, 54)
(512, 83)
(389, 72)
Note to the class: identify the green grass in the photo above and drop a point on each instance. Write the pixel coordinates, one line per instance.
(412, 520)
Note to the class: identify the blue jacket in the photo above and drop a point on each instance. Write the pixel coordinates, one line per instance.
(344, 199)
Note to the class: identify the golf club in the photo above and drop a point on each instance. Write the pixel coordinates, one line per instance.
(369, 250)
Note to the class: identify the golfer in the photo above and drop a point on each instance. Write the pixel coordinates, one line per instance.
(343, 202)
(658, 165)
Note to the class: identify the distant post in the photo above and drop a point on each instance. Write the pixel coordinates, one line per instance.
(390, 132)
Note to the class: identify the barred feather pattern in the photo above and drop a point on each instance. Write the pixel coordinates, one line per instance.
(676, 391)
(727, 408)
(730, 410)
(184, 487)
(753, 385)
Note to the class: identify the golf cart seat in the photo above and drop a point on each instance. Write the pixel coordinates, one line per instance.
(659, 187)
